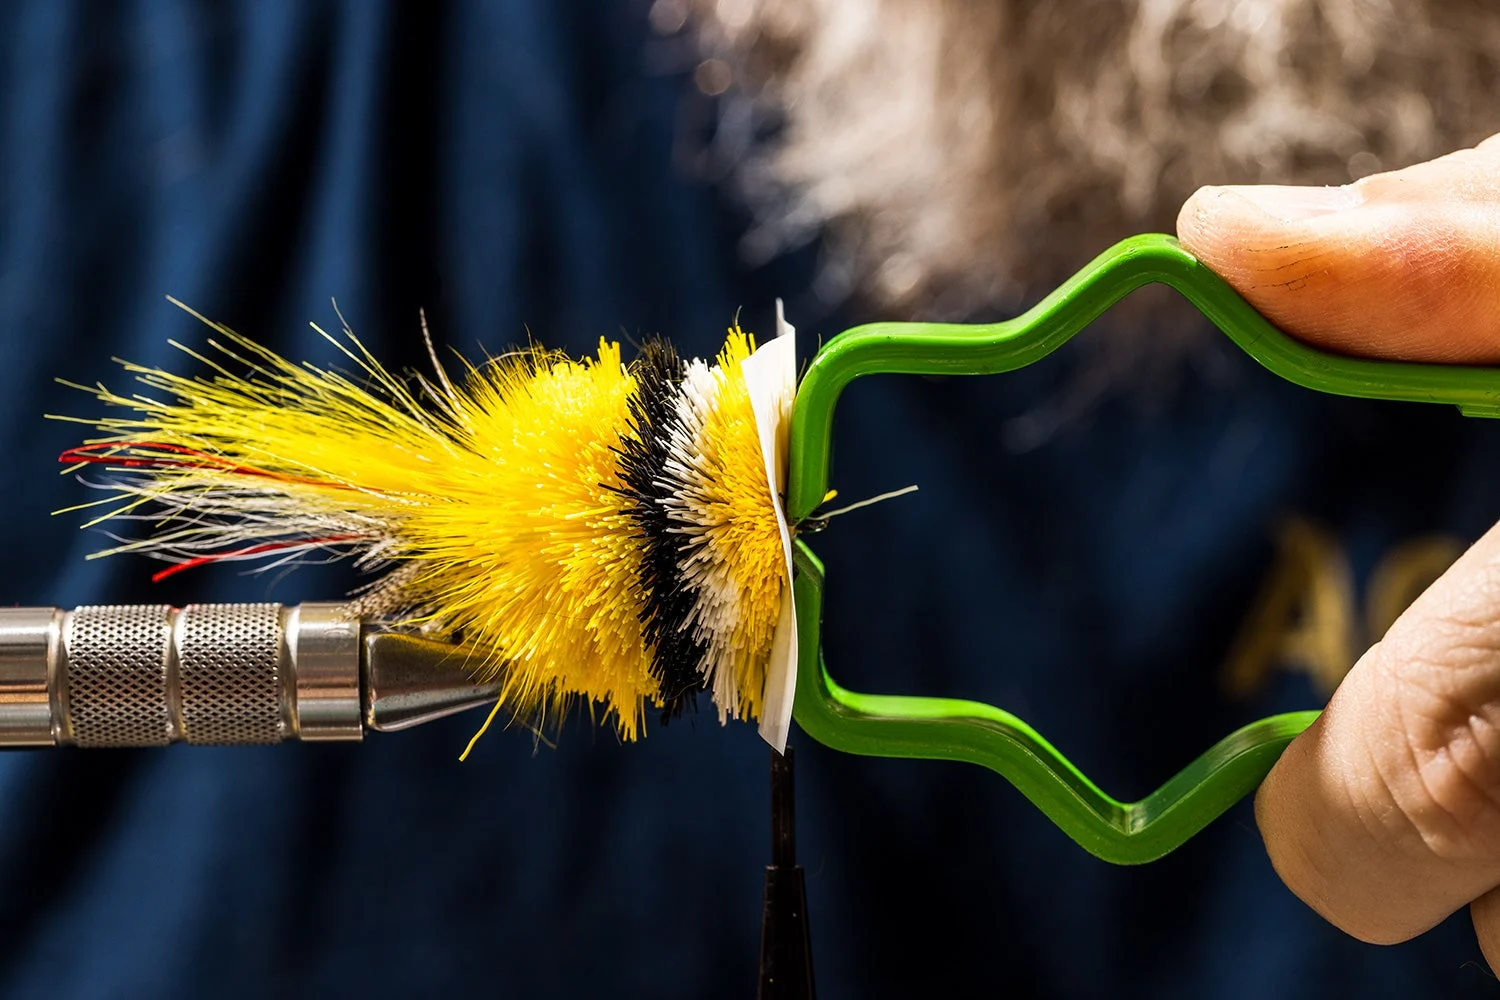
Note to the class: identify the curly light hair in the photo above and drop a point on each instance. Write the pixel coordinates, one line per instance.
(960, 153)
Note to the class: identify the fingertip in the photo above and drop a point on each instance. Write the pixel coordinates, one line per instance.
(1333, 875)
(1245, 217)
(1297, 808)
(1402, 265)
(1270, 241)
(1336, 835)
(1205, 222)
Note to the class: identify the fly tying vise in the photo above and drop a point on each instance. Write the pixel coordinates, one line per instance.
(619, 533)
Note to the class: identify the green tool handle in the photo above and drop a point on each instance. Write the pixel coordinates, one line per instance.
(950, 729)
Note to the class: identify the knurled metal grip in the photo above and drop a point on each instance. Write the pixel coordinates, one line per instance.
(229, 673)
(119, 681)
(148, 675)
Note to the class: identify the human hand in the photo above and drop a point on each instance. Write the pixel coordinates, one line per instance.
(1384, 816)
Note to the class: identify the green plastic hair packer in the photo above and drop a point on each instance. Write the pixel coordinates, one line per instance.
(952, 729)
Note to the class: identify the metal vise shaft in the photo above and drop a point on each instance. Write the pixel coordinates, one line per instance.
(148, 675)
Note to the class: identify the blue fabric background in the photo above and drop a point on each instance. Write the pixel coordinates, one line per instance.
(514, 166)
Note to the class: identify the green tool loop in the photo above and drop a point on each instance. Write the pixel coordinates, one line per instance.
(949, 729)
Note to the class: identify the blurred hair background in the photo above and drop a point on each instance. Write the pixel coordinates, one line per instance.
(528, 168)
(964, 153)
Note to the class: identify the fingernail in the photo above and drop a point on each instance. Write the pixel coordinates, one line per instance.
(1289, 203)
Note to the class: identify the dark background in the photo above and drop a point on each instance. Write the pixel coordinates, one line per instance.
(534, 166)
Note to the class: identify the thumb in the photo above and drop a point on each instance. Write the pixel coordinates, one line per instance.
(1397, 265)
(1385, 814)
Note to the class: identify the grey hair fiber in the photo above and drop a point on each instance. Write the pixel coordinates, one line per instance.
(963, 153)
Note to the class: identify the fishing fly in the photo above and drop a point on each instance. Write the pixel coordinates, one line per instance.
(601, 531)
